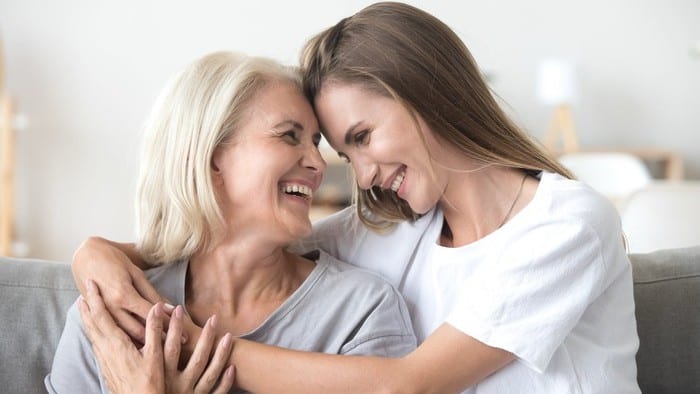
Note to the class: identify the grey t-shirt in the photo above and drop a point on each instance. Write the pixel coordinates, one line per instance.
(339, 309)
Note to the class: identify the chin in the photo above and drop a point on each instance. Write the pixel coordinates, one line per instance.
(300, 229)
(421, 207)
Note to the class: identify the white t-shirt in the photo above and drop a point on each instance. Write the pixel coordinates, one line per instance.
(553, 286)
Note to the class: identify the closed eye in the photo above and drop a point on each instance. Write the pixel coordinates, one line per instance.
(291, 137)
(361, 137)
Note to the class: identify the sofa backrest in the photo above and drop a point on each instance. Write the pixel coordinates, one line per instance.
(34, 298)
(667, 300)
(35, 295)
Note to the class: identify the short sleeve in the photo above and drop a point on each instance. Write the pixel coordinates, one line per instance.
(534, 291)
(74, 366)
(386, 331)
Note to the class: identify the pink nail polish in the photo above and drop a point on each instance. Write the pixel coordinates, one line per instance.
(226, 342)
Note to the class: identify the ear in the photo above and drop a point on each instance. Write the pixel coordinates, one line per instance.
(215, 168)
(216, 165)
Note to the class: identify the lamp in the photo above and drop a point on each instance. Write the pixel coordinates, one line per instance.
(556, 86)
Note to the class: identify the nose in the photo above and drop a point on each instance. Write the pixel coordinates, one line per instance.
(313, 160)
(365, 172)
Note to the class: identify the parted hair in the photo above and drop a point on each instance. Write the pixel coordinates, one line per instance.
(399, 51)
(177, 213)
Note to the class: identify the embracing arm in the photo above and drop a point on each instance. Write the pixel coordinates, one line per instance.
(448, 361)
(118, 270)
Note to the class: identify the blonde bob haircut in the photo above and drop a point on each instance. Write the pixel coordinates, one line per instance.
(177, 213)
(401, 52)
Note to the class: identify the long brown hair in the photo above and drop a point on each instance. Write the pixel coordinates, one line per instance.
(402, 52)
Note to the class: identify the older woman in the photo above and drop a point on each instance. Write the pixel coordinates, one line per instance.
(229, 167)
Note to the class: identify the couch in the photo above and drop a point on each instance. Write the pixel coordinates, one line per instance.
(35, 295)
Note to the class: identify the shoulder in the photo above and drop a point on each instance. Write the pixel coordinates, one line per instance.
(368, 307)
(74, 362)
(345, 237)
(568, 228)
(370, 293)
(574, 199)
(569, 207)
(353, 278)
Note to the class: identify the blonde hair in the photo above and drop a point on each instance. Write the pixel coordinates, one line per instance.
(399, 51)
(177, 212)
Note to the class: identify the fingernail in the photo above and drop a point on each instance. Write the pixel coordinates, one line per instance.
(90, 285)
(156, 310)
(226, 342)
(212, 321)
(178, 312)
(168, 307)
(229, 371)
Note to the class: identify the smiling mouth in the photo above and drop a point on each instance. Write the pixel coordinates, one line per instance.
(302, 191)
(396, 184)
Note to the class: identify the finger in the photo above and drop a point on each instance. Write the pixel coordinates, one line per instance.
(153, 349)
(226, 382)
(100, 316)
(91, 330)
(173, 342)
(132, 326)
(216, 365)
(131, 301)
(200, 356)
(96, 340)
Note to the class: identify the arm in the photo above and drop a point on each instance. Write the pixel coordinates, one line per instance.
(117, 269)
(448, 361)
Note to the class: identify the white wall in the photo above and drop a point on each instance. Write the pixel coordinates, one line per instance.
(85, 72)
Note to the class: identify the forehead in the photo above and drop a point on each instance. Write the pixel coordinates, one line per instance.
(278, 101)
(341, 106)
(338, 105)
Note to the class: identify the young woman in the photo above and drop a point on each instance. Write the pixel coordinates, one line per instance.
(515, 275)
(229, 167)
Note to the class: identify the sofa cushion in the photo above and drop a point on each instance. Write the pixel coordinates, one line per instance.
(34, 298)
(667, 298)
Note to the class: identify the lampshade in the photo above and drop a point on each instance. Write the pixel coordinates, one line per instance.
(555, 82)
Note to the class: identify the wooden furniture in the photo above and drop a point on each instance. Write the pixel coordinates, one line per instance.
(7, 154)
(562, 129)
(668, 162)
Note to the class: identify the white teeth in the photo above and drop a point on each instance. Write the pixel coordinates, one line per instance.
(397, 181)
(300, 189)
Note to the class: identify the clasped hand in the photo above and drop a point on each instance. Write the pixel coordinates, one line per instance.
(156, 367)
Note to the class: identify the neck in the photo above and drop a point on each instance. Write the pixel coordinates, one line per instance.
(242, 283)
(478, 203)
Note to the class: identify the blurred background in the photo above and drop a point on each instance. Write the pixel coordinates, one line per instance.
(79, 77)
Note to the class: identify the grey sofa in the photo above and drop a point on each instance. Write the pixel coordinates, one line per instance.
(35, 294)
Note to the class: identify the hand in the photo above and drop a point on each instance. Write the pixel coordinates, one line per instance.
(125, 368)
(127, 293)
(197, 376)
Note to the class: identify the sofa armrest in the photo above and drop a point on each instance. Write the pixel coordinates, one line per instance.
(667, 300)
(34, 298)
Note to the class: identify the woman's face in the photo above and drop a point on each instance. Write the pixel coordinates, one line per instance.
(381, 140)
(265, 175)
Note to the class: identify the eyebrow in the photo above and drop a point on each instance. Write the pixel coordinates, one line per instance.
(348, 133)
(289, 122)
